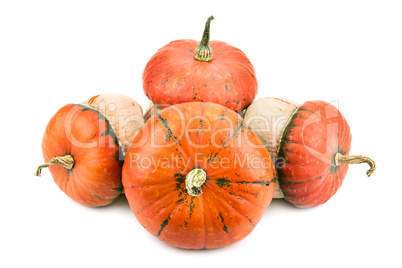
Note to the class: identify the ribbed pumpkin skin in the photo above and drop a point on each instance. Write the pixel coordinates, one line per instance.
(173, 76)
(233, 198)
(95, 179)
(308, 176)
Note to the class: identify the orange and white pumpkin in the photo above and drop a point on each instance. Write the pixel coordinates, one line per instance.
(267, 117)
(124, 113)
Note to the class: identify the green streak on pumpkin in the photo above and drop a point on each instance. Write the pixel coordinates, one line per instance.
(191, 205)
(211, 156)
(163, 225)
(109, 130)
(180, 179)
(306, 110)
(181, 200)
(221, 182)
(223, 221)
(169, 134)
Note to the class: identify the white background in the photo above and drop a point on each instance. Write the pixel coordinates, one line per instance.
(53, 53)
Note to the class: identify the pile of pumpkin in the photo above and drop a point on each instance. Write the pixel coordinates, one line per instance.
(203, 163)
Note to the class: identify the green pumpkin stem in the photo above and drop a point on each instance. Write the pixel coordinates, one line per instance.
(203, 52)
(66, 161)
(341, 159)
(194, 180)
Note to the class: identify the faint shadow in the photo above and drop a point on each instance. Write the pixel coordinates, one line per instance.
(196, 251)
(120, 203)
(278, 206)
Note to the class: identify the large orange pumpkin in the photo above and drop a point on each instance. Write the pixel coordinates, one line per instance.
(191, 71)
(83, 154)
(197, 177)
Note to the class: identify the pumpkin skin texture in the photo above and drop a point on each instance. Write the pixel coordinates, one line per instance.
(86, 135)
(308, 174)
(153, 109)
(124, 113)
(267, 117)
(194, 136)
(174, 76)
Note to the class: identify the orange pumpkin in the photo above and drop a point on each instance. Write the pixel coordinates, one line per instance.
(309, 145)
(190, 71)
(197, 177)
(83, 144)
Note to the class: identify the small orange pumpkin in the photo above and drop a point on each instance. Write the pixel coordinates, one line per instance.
(81, 140)
(88, 143)
(190, 71)
(310, 145)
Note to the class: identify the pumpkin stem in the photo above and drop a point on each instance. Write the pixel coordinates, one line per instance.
(203, 52)
(355, 159)
(194, 180)
(66, 161)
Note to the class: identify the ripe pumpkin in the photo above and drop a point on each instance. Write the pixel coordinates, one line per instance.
(124, 113)
(310, 145)
(190, 71)
(83, 141)
(189, 176)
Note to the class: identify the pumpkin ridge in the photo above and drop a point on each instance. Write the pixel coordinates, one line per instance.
(320, 176)
(74, 189)
(232, 194)
(154, 202)
(300, 182)
(330, 192)
(167, 220)
(222, 202)
(321, 186)
(311, 196)
(227, 203)
(78, 188)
